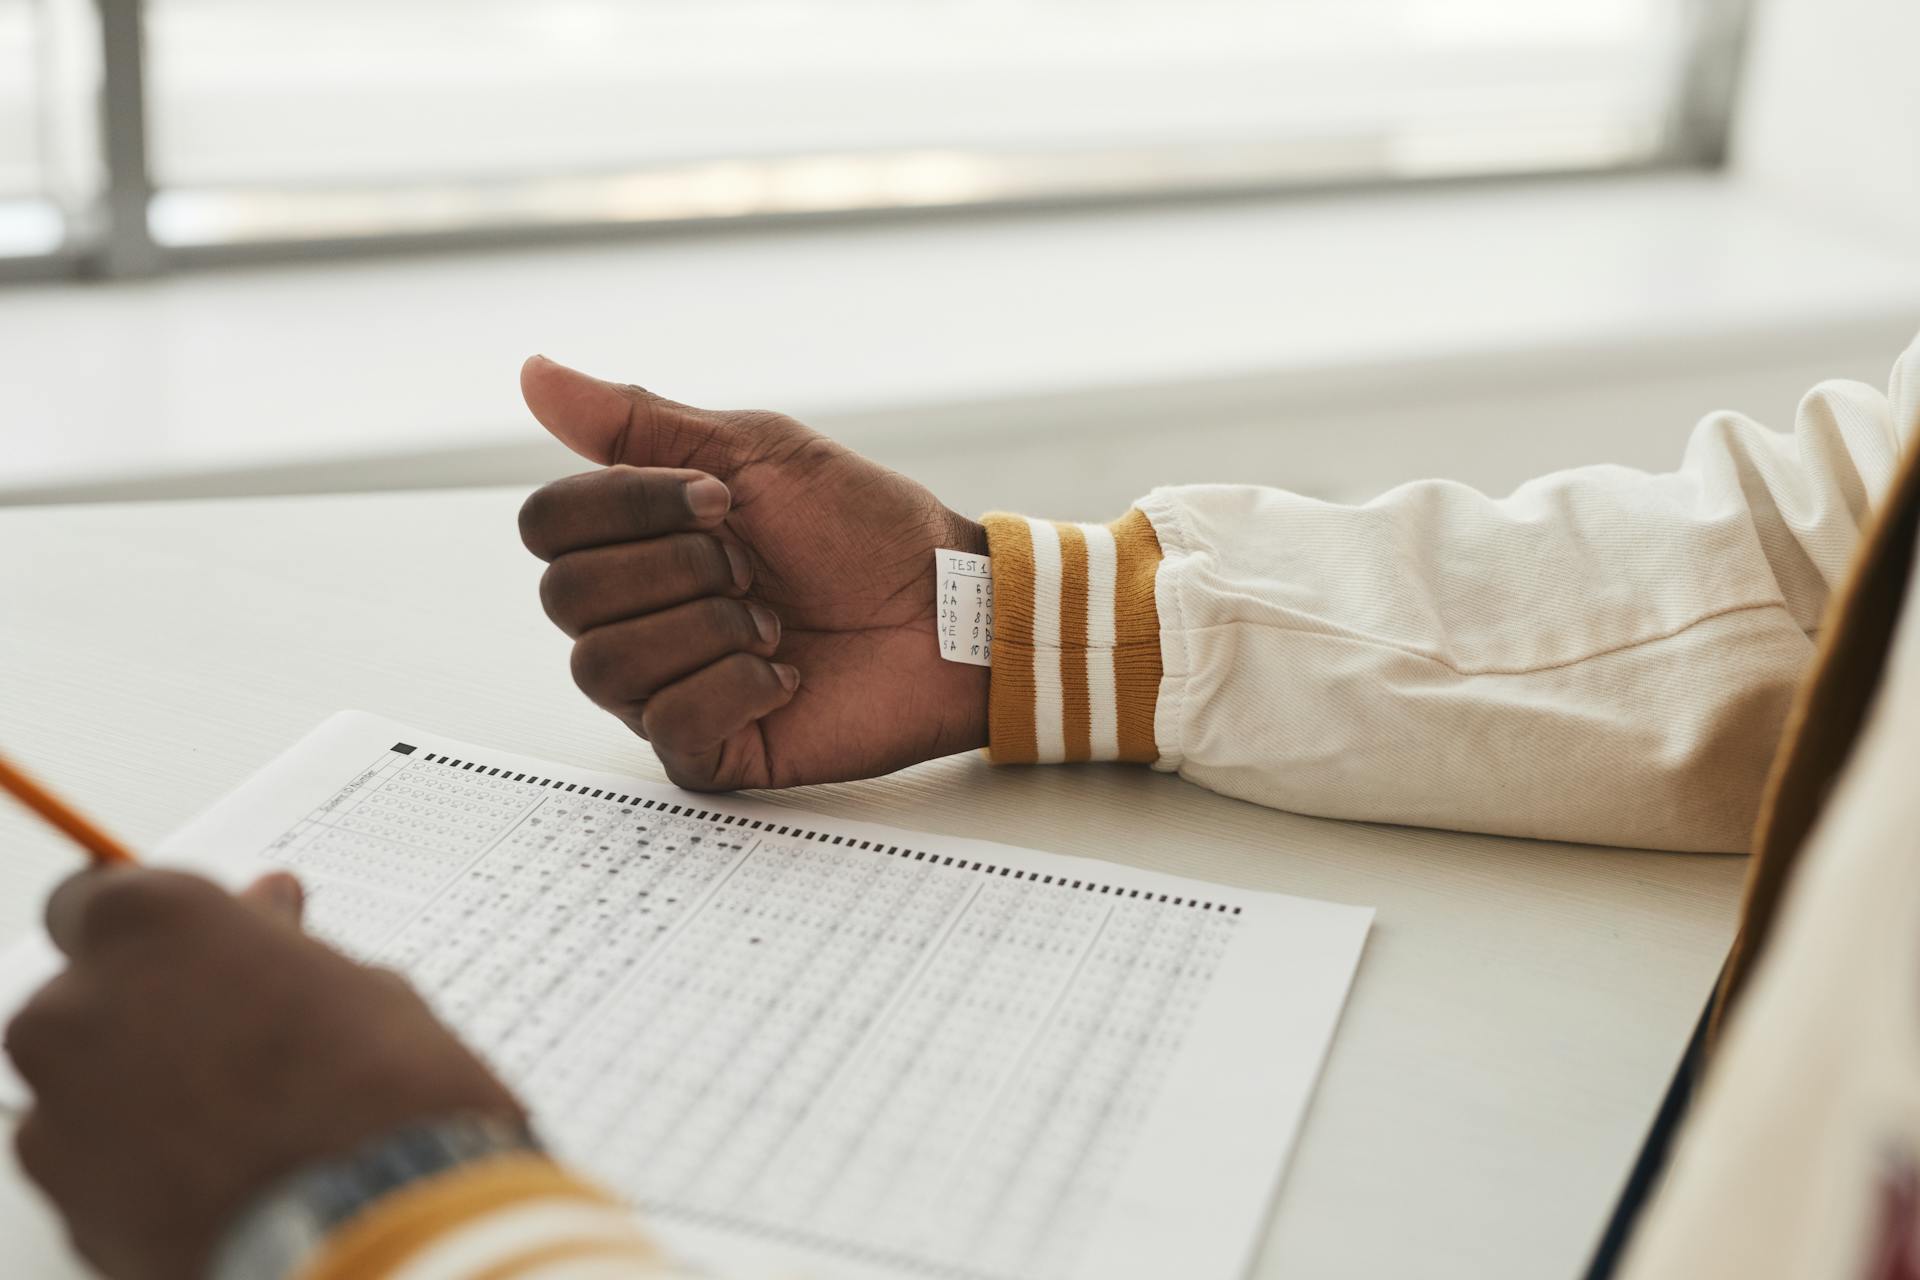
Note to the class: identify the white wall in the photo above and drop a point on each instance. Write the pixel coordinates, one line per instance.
(1830, 111)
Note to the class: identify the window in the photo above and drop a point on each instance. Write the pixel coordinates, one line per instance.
(49, 136)
(29, 224)
(283, 123)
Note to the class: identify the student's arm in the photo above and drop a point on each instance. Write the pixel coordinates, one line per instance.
(218, 1095)
(1605, 655)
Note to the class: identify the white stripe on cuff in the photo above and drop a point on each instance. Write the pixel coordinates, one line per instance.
(1103, 562)
(1049, 714)
(513, 1230)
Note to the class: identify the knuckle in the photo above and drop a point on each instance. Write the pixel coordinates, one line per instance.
(27, 1030)
(678, 721)
(692, 774)
(769, 422)
(752, 673)
(594, 663)
(560, 587)
(730, 621)
(734, 672)
(24, 1035)
(661, 722)
(131, 904)
(763, 433)
(536, 516)
(53, 1017)
(699, 561)
(393, 982)
(83, 1239)
(34, 1145)
(642, 494)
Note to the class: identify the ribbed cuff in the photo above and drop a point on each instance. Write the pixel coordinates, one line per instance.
(503, 1216)
(1076, 640)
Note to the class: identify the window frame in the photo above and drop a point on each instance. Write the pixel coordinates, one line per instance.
(115, 237)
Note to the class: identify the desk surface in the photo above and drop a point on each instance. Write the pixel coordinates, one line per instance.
(1514, 1022)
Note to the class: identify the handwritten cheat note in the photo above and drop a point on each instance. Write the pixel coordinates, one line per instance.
(965, 584)
(811, 1046)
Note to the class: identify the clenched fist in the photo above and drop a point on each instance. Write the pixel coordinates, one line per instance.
(755, 600)
(199, 1046)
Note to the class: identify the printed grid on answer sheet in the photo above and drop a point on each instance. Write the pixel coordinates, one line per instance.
(919, 1061)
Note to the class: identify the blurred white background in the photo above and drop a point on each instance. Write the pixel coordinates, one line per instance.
(693, 102)
(280, 246)
(259, 91)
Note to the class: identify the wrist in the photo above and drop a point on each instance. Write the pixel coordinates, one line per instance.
(965, 535)
(273, 1234)
(968, 688)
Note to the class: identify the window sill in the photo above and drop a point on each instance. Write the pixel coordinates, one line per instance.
(400, 372)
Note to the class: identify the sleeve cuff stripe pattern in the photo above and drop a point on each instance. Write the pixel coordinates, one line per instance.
(1103, 563)
(1076, 660)
(1049, 689)
(402, 1231)
(1136, 649)
(1010, 698)
(556, 1257)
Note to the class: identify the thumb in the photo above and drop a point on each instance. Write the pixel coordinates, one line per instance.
(609, 423)
(279, 895)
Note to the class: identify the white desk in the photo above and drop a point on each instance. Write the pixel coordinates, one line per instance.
(1516, 1017)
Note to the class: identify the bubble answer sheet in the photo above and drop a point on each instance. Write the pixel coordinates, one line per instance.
(811, 1047)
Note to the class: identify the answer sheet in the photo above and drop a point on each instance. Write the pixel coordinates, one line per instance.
(812, 1047)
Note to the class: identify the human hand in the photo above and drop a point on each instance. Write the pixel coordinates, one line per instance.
(773, 629)
(197, 1047)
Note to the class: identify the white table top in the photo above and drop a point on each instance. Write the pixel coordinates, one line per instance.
(1516, 1017)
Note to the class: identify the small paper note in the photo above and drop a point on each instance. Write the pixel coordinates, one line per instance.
(966, 606)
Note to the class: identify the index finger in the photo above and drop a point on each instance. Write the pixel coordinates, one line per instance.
(619, 504)
(99, 903)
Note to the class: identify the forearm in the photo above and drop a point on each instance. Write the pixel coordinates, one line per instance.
(1605, 655)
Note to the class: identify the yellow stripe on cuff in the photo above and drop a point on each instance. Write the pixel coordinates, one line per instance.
(1076, 717)
(381, 1238)
(1010, 696)
(1136, 644)
(533, 1260)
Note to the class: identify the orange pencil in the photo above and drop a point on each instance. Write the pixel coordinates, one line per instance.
(104, 848)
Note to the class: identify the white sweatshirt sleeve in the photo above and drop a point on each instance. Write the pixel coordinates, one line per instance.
(1605, 655)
